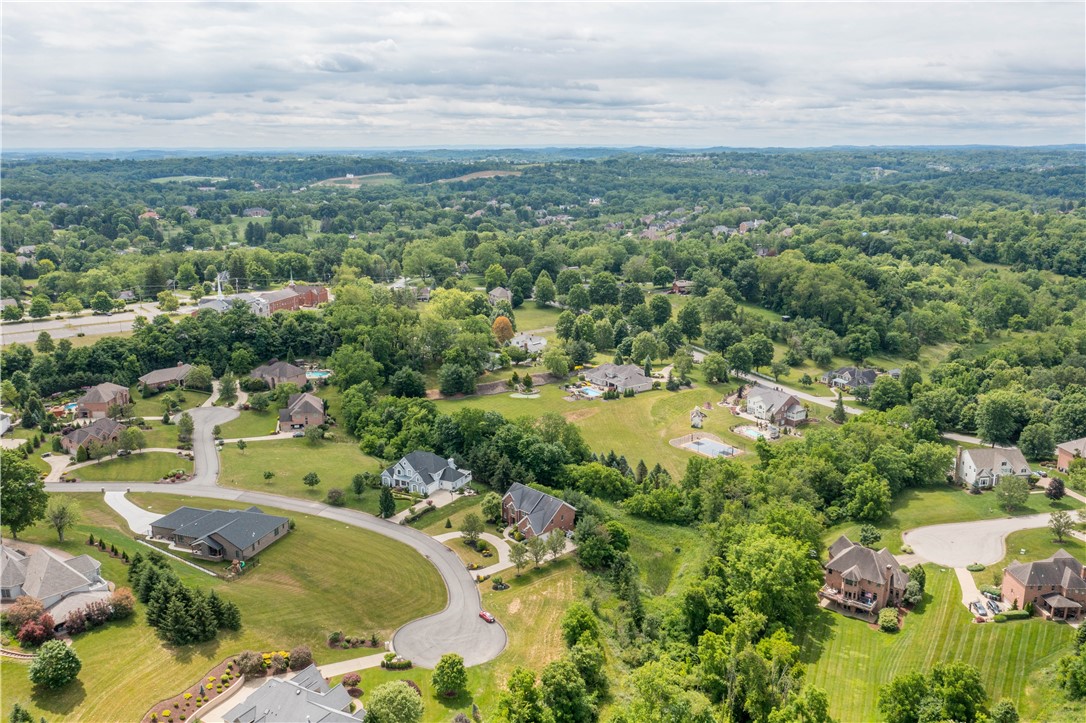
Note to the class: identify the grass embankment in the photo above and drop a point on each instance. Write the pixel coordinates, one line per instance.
(323, 576)
(152, 406)
(143, 467)
(291, 459)
(851, 660)
(251, 423)
(939, 505)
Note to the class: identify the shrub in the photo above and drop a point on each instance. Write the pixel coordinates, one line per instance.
(300, 657)
(38, 631)
(1012, 615)
(975, 567)
(25, 608)
(354, 692)
(55, 665)
(334, 638)
(336, 497)
(414, 686)
(888, 620)
(121, 603)
(250, 663)
(76, 622)
(352, 679)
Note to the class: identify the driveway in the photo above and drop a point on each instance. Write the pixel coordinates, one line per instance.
(139, 519)
(959, 544)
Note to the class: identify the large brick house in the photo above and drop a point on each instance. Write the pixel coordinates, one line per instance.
(984, 467)
(1066, 452)
(103, 431)
(161, 379)
(98, 399)
(302, 410)
(861, 580)
(60, 585)
(425, 473)
(220, 534)
(536, 513)
(775, 407)
(278, 372)
(1056, 586)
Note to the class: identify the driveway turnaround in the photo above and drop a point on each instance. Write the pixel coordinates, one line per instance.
(959, 544)
(138, 518)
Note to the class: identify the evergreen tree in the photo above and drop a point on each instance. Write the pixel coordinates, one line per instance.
(387, 504)
(204, 622)
(838, 413)
(230, 616)
(177, 624)
(148, 581)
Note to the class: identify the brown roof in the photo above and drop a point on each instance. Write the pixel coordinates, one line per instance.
(277, 370)
(867, 564)
(1060, 570)
(167, 375)
(104, 392)
(304, 403)
(1073, 447)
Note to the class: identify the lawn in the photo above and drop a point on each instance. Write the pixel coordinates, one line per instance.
(251, 424)
(638, 428)
(938, 505)
(1025, 546)
(291, 459)
(145, 467)
(296, 595)
(851, 660)
(160, 435)
(533, 317)
(152, 406)
(434, 524)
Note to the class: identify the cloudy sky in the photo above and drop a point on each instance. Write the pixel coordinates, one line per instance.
(353, 75)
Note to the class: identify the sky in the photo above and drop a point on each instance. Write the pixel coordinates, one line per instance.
(354, 75)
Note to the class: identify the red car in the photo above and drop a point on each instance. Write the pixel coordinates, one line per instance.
(486, 616)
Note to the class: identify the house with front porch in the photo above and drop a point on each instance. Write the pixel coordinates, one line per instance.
(850, 378)
(1056, 586)
(861, 580)
(984, 467)
(775, 407)
(425, 473)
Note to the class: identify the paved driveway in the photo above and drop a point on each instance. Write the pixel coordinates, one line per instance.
(138, 518)
(959, 544)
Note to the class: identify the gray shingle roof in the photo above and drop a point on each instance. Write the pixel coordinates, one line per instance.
(47, 575)
(278, 295)
(425, 463)
(301, 698)
(854, 376)
(104, 392)
(175, 374)
(773, 400)
(304, 403)
(278, 370)
(990, 459)
(12, 567)
(1073, 447)
(539, 507)
(1061, 570)
(100, 429)
(867, 564)
(624, 375)
(239, 528)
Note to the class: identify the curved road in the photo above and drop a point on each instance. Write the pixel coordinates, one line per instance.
(456, 629)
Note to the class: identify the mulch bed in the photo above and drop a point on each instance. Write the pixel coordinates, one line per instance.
(188, 709)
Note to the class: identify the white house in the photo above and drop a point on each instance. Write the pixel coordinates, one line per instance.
(984, 467)
(425, 473)
(530, 343)
(619, 377)
(5, 422)
(775, 407)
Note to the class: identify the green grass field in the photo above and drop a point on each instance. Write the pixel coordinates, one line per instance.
(251, 424)
(152, 406)
(291, 459)
(323, 576)
(851, 660)
(160, 435)
(533, 317)
(144, 467)
(939, 505)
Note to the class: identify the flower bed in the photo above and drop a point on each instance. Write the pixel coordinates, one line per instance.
(187, 704)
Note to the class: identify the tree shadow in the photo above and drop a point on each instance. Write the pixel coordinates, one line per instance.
(62, 701)
(814, 636)
(461, 701)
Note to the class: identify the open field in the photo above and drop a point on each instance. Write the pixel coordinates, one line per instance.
(251, 423)
(358, 181)
(291, 459)
(160, 435)
(434, 524)
(478, 175)
(144, 467)
(533, 317)
(851, 660)
(939, 505)
(152, 406)
(283, 603)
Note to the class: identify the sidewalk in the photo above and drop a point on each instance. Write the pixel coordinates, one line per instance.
(439, 498)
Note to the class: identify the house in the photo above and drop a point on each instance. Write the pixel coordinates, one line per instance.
(103, 430)
(425, 473)
(302, 410)
(5, 422)
(681, 286)
(1056, 586)
(423, 294)
(98, 399)
(860, 579)
(500, 293)
(529, 342)
(149, 216)
(255, 212)
(5, 303)
(1068, 451)
(126, 295)
(984, 467)
(161, 379)
(278, 372)
(305, 697)
(619, 377)
(536, 513)
(850, 377)
(775, 407)
(60, 585)
(220, 534)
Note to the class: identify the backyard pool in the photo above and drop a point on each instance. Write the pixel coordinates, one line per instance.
(70, 406)
(318, 374)
(591, 392)
(710, 448)
(751, 432)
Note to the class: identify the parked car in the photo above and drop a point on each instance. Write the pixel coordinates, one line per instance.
(1042, 473)
(299, 433)
(486, 616)
(993, 607)
(124, 452)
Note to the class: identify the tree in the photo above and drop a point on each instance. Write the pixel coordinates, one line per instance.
(887, 393)
(888, 619)
(167, 301)
(1060, 523)
(1055, 489)
(779, 369)
(999, 416)
(660, 308)
(471, 527)
(491, 506)
(311, 479)
(761, 350)
(314, 435)
(557, 362)
(1004, 712)
(663, 277)
(899, 700)
(1037, 441)
(387, 504)
(394, 702)
(40, 307)
(185, 427)
(407, 382)
(715, 368)
(565, 694)
(1012, 492)
(503, 330)
(23, 498)
(14, 312)
(199, 377)
(518, 555)
(521, 701)
(101, 302)
(869, 535)
(537, 549)
(838, 413)
(132, 438)
(20, 714)
(55, 665)
(449, 676)
(722, 335)
(739, 358)
(544, 288)
(242, 444)
(44, 343)
(63, 513)
(495, 276)
(690, 321)
(556, 543)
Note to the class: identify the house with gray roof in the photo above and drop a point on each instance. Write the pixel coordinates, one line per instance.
(499, 293)
(220, 534)
(302, 410)
(278, 372)
(425, 473)
(861, 580)
(59, 584)
(774, 406)
(531, 343)
(1056, 587)
(536, 513)
(850, 377)
(305, 697)
(102, 431)
(619, 377)
(984, 467)
(98, 399)
(1069, 451)
(161, 379)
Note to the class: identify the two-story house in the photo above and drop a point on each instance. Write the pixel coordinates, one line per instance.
(850, 377)
(861, 580)
(1067, 452)
(775, 407)
(984, 467)
(1056, 586)
(425, 473)
(278, 372)
(96, 402)
(302, 410)
(536, 513)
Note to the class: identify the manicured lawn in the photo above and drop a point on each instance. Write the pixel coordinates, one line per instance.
(160, 435)
(938, 505)
(152, 406)
(533, 317)
(434, 524)
(144, 467)
(851, 660)
(291, 459)
(251, 424)
(323, 576)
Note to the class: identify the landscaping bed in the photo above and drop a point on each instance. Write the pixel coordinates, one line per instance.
(187, 703)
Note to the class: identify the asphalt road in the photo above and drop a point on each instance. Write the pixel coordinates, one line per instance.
(89, 324)
(456, 629)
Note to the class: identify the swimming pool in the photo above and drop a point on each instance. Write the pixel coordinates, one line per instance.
(591, 392)
(318, 374)
(710, 448)
(70, 406)
(751, 432)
